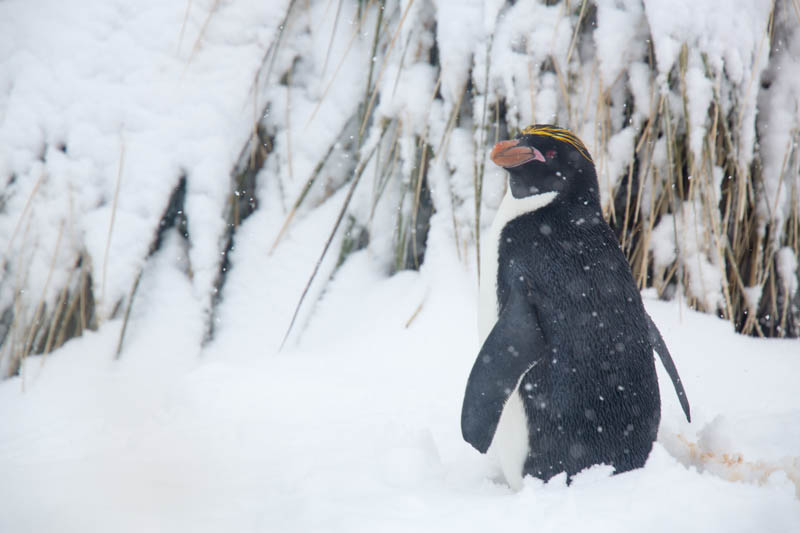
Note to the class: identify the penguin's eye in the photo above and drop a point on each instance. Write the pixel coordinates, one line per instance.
(550, 154)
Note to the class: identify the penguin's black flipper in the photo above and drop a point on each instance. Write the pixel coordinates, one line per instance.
(666, 359)
(513, 347)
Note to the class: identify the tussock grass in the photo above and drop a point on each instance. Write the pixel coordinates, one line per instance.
(726, 223)
(712, 200)
(49, 327)
(716, 224)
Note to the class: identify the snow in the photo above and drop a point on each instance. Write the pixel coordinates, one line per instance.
(455, 39)
(354, 425)
(700, 260)
(733, 41)
(787, 270)
(699, 86)
(521, 48)
(356, 428)
(730, 37)
(779, 123)
(111, 85)
(618, 30)
(410, 97)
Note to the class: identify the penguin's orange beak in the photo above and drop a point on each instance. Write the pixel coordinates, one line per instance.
(509, 154)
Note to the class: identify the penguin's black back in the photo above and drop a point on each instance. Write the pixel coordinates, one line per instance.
(594, 399)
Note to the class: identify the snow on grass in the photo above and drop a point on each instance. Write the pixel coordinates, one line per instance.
(356, 428)
(119, 96)
(779, 124)
(355, 425)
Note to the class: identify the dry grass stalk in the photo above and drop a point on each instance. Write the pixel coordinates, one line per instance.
(36, 323)
(114, 205)
(333, 35)
(203, 30)
(126, 318)
(368, 108)
(23, 216)
(183, 25)
(728, 226)
(354, 183)
(356, 33)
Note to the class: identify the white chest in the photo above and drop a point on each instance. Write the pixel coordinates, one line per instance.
(511, 441)
(510, 208)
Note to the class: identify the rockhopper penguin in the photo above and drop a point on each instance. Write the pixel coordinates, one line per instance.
(565, 378)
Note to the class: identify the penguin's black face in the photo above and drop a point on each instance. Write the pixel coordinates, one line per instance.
(545, 159)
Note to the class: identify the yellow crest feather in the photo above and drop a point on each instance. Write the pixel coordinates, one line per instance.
(560, 134)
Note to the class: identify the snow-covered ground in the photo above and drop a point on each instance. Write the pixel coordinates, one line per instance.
(356, 427)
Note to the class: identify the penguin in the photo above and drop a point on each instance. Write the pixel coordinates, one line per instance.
(565, 377)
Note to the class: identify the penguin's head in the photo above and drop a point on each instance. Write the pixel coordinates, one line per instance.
(544, 158)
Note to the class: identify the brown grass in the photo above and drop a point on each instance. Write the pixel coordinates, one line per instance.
(736, 238)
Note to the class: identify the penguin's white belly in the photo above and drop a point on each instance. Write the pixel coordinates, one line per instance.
(511, 441)
(510, 444)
